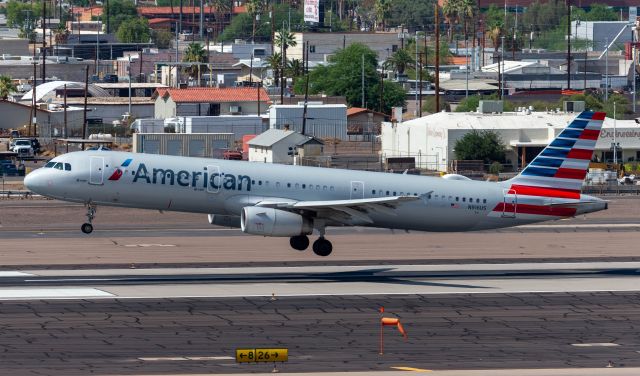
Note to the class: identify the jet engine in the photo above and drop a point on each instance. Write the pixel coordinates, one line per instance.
(256, 220)
(224, 220)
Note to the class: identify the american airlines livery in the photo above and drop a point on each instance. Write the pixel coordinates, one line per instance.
(292, 201)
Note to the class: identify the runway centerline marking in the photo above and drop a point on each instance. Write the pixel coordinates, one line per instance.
(53, 293)
(598, 344)
(15, 274)
(184, 358)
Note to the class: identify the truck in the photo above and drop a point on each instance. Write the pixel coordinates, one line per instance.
(24, 148)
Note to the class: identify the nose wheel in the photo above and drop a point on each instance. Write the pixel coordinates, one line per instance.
(87, 228)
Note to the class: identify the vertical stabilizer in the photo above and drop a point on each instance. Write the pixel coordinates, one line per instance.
(559, 170)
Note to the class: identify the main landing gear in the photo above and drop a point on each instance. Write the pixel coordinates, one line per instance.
(87, 228)
(321, 247)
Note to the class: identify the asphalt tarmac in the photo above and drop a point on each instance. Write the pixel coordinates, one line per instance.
(183, 336)
(44, 233)
(66, 311)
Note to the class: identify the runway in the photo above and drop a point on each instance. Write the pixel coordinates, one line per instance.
(151, 294)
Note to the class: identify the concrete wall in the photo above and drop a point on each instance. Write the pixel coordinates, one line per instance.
(15, 47)
(322, 45)
(50, 123)
(69, 72)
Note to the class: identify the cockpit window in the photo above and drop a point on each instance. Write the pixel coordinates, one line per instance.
(49, 164)
(67, 167)
(58, 166)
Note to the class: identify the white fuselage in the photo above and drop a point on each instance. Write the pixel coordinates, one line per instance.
(224, 187)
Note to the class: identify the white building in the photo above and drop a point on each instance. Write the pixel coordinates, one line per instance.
(599, 32)
(323, 120)
(280, 146)
(431, 139)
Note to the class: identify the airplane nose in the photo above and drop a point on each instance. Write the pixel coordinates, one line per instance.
(34, 181)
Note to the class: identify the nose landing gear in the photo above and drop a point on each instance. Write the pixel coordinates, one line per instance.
(87, 228)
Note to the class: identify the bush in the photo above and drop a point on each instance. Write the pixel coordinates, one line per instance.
(496, 168)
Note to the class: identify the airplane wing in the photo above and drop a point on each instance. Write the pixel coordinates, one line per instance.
(347, 210)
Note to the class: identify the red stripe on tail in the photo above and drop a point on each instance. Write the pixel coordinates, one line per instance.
(580, 154)
(545, 192)
(570, 173)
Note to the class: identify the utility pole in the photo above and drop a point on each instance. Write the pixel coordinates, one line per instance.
(420, 83)
(66, 134)
(437, 72)
(606, 70)
(108, 23)
(569, 45)
(201, 17)
(362, 81)
(44, 41)
(84, 117)
(33, 119)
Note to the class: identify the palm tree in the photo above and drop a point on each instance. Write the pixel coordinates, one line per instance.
(382, 10)
(450, 12)
(400, 61)
(195, 53)
(466, 9)
(222, 7)
(6, 87)
(275, 63)
(295, 68)
(284, 39)
(254, 8)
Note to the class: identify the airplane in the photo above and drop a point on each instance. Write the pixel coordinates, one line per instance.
(293, 201)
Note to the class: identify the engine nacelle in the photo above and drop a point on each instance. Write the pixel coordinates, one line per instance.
(256, 220)
(224, 220)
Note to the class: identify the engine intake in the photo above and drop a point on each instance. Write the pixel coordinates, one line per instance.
(256, 220)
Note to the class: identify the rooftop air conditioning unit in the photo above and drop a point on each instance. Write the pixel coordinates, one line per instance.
(573, 106)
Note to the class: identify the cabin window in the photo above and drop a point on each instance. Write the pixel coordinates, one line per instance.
(477, 200)
(373, 192)
(457, 198)
(297, 186)
(387, 193)
(324, 187)
(288, 185)
(259, 182)
(464, 199)
(394, 193)
(331, 188)
(304, 186)
(317, 187)
(484, 201)
(277, 184)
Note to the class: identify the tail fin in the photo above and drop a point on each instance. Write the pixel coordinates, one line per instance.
(558, 171)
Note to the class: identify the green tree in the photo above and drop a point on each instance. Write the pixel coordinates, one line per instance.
(411, 12)
(275, 63)
(18, 13)
(195, 53)
(284, 40)
(400, 61)
(119, 11)
(469, 104)
(429, 105)
(342, 76)
(6, 87)
(601, 12)
(622, 104)
(162, 38)
(295, 68)
(382, 9)
(477, 145)
(221, 9)
(133, 30)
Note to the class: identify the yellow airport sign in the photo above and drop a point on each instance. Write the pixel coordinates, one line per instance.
(261, 355)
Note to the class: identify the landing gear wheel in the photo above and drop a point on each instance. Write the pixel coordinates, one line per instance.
(87, 228)
(299, 242)
(322, 247)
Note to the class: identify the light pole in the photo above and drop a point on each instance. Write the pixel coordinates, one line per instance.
(615, 144)
(606, 69)
(633, 65)
(130, 85)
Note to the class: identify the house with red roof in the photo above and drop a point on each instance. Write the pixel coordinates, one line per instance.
(205, 101)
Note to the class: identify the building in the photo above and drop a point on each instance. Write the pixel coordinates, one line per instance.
(282, 146)
(322, 120)
(431, 139)
(323, 45)
(204, 101)
(363, 122)
(210, 145)
(50, 118)
(111, 111)
(599, 32)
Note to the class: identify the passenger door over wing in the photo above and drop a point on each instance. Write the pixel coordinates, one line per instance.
(357, 190)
